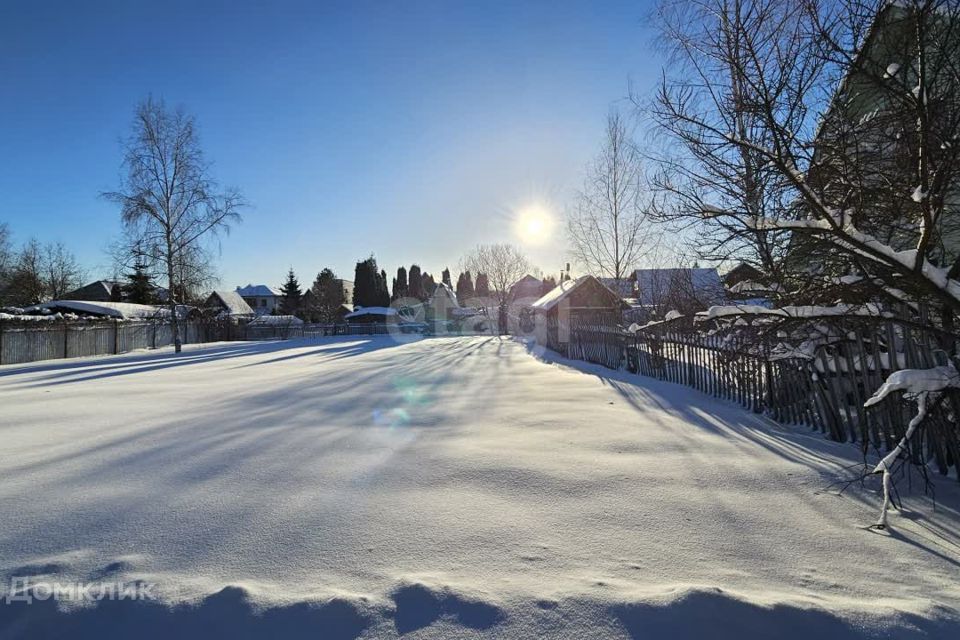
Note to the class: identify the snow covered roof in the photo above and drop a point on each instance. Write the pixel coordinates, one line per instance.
(275, 320)
(444, 293)
(259, 290)
(372, 311)
(654, 284)
(232, 302)
(623, 286)
(553, 297)
(125, 310)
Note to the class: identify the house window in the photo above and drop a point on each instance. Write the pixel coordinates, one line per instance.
(263, 302)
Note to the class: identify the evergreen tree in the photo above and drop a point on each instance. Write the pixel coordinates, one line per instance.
(290, 303)
(139, 287)
(429, 285)
(116, 293)
(384, 292)
(482, 287)
(400, 289)
(328, 295)
(445, 277)
(465, 287)
(415, 289)
(367, 290)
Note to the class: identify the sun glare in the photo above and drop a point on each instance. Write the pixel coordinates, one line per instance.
(533, 224)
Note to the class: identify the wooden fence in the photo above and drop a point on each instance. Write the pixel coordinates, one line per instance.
(825, 390)
(22, 342)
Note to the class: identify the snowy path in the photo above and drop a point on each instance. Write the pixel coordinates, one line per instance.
(450, 487)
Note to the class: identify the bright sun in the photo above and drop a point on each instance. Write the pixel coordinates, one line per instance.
(533, 224)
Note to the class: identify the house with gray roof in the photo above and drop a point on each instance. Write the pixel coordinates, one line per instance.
(227, 304)
(263, 299)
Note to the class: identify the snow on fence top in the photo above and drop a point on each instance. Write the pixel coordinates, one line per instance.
(284, 321)
(372, 311)
(123, 310)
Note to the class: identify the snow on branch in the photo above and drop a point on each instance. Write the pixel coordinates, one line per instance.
(845, 235)
(921, 385)
(806, 311)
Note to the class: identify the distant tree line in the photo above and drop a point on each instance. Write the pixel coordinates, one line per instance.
(35, 273)
(372, 287)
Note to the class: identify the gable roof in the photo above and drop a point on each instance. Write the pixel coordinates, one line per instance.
(623, 286)
(527, 280)
(443, 292)
(259, 291)
(232, 302)
(96, 291)
(563, 290)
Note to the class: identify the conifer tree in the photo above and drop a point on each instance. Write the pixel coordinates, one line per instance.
(367, 289)
(429, 285)
(328, 295)
(445, 278)
(290, 303)
(383, 291)
(139, 287)
(465, 287)
(482, 287)
(400, 289)
(415, 289)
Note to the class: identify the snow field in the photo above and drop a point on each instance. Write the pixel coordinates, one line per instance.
(448, 487)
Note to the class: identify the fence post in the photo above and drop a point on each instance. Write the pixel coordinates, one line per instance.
(66, 338)
(1, 341)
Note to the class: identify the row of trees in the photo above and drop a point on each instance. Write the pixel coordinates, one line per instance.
(497, 267)
(35, 273)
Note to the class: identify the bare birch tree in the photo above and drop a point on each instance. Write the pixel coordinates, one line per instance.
(607, 227)
(169, 202)
(503, 265)
(6, 256)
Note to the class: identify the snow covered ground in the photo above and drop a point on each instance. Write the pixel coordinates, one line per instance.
(448, 487)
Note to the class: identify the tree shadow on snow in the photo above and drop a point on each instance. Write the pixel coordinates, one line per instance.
(225, 614)
(833, 461)
(719, 616)
(84, 369)
(419, 606)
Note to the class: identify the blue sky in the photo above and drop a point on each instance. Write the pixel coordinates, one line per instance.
(412, 130)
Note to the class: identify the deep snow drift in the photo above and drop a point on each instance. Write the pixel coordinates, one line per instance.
(448, 487)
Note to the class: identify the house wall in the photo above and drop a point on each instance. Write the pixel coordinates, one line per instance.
(262, 305)
(588, 303)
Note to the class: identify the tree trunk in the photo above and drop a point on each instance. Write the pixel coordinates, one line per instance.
(172, 302)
